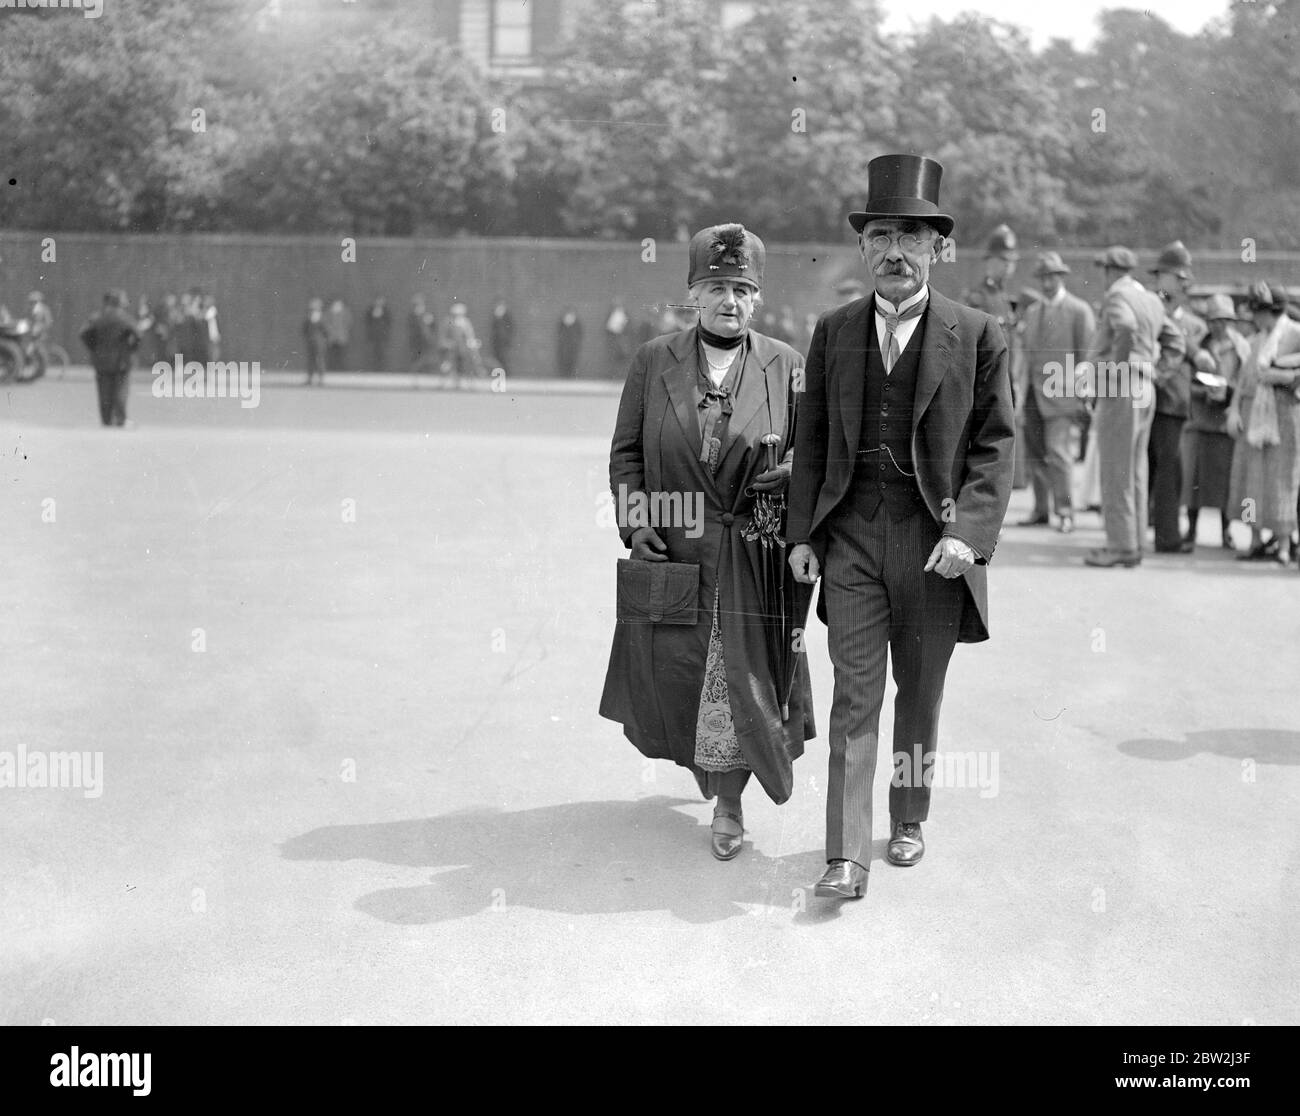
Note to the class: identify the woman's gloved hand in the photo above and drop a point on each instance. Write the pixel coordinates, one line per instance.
(773, 480)
(647, 546)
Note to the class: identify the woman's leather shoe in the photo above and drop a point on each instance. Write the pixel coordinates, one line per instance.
(906, 845)
(727, 845)
(843, 879)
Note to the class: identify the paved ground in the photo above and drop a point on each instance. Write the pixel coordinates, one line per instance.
(342, 653)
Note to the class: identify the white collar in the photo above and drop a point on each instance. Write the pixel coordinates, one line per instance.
(885, 307)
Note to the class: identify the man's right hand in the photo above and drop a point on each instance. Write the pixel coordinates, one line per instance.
(647, 546)
(804, 563)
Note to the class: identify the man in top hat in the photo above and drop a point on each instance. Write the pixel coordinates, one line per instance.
(904, 443)
(1123, 355)
(1165, 450)
(1056, 331)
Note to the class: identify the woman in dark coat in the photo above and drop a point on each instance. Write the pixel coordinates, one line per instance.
(695, 407)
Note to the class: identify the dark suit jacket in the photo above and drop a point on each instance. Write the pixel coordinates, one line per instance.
(963, 432)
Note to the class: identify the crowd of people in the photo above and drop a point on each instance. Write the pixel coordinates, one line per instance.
(1161, 401)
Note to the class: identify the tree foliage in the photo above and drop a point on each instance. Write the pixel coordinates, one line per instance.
(655, 120)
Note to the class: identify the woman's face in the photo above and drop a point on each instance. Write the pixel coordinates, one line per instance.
(726, 305)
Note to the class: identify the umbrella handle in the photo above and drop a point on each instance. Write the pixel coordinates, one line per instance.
(770, 443)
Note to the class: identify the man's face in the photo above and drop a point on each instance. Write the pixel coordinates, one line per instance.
(1265, 320)
(726, 305)
(899, 270)
(1051, 282)
(1168, 283)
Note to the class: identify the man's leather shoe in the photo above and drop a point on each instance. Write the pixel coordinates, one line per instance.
(1107, 558)
(906, 846)
(1033, 521)
(843, 879)
(727, 845)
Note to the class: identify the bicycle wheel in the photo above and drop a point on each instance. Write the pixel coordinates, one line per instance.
(56, 361)
(11, 361)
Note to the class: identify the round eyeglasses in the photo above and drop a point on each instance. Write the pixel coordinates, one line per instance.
(908, 242)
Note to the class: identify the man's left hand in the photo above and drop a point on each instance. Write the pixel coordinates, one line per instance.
(950, 558)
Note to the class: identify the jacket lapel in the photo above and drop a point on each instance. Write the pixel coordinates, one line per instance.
(936, 354)
(678, 380)
(848, 364)
(751, 399)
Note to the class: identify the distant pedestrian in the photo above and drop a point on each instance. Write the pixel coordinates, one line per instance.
(1129, 337)
(1173, 275)
(420, 335)
(458, 345)
(209, 305)
(502, 335)
(568, 344)
(1265, 419)
(315, 335)
(111, 338)
(618, 344)
(1209, 445)
(338, 331)
(1057, 330)
(191, 337)
(379, 327)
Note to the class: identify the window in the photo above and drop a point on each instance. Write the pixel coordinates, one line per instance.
(512, 29)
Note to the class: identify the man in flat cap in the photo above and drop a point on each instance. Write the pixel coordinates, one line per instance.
(1124, 354)
(1056, 331)
(904, 443)
(1165, 451)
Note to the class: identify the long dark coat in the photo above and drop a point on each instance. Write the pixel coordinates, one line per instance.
(656, 671)
(963, 434)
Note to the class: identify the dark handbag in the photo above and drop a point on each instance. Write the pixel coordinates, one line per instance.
(658, 592)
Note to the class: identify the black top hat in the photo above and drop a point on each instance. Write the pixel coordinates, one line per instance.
(903, 186)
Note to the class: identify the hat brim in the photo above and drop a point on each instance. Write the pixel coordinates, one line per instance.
(1041, 271)
(940, 222)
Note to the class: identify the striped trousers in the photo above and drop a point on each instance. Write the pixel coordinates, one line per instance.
(881, 605)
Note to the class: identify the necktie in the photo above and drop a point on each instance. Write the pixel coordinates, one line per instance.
(892, 350)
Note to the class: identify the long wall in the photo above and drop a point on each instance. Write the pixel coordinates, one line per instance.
(262, 284)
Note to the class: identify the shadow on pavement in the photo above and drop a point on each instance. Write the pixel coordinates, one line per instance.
(576, 858)
(1260, 745)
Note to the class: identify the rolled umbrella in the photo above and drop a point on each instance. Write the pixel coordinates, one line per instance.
(784, 601)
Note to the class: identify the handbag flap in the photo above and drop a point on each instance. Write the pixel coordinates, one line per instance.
(658, 592)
